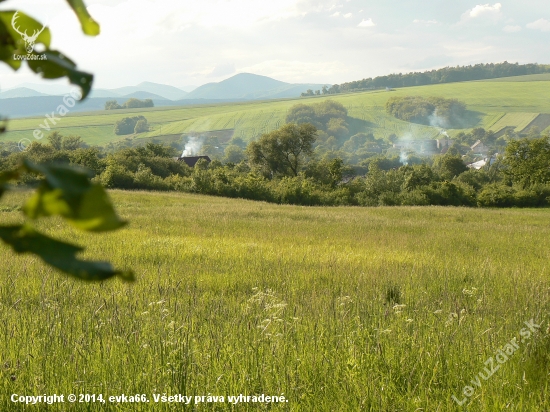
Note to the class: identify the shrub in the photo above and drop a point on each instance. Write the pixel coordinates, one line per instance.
(141, 126)
(127, 125)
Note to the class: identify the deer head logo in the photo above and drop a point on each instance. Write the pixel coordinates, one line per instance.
(29, 40)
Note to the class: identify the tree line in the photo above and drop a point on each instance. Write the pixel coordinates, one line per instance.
(444, 75)
(132, 103)
(282, 167)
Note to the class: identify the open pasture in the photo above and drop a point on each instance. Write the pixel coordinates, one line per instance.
(339, 309)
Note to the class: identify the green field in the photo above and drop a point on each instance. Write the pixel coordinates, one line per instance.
(528, 78)
(517, 120)
(486, 99)
(339, 309)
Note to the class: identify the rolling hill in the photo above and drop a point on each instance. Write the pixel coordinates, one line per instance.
(21, 102)
(20, 92)
(250, 86)
(493, 105)
(162, 90)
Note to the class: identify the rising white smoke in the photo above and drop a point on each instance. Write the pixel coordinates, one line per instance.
(404, 158)
(193, 146)
(438, 121)
(405, 141)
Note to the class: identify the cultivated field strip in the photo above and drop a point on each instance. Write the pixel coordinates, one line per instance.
(519, 120)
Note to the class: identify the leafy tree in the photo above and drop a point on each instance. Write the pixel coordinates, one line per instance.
(358, 140)
(127, 125)
(328, 172)
(234, 154)
(319, 114)
(112, 105)
(338, 128)
(141, 126)
(134, 103)
(56, 140)
(72, 143)
(435, 111)
(450, 166)
(303, 113)
(527, 161)
(417, 176)
(88, 158)
(283, 151)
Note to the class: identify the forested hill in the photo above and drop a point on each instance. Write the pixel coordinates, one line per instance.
(444, 75)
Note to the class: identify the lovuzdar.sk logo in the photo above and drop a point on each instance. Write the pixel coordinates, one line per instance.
(30, 40)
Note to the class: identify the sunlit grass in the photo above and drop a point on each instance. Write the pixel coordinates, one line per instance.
(340, 309)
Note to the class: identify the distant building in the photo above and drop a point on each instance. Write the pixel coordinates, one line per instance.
(480, 163)
(479, 148)
(444, 144)
(191, 161)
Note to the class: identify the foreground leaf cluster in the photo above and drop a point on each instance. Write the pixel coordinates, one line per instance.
(66, 192)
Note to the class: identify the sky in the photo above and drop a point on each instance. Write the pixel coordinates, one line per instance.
(188, 43)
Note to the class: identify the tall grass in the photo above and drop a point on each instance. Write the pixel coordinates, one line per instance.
(339, 309)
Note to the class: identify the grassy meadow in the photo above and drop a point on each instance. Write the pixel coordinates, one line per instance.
(518, 99)
(339, 309)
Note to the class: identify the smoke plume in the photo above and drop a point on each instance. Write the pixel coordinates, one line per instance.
(193, 145)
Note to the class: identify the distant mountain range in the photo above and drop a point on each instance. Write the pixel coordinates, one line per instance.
(31, 99)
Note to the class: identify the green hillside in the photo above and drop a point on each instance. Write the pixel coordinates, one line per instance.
(492, 104)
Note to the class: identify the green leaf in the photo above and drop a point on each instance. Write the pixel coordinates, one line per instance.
(55, 65)
(61, 255)
(19, 26)
(68, 192)
(96, 213)
(89, 25)
(7, 44)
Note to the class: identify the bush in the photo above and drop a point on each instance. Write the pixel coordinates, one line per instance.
(141, 126)
(116, 176)
(499, 195)
(127, 125)
(435, 111)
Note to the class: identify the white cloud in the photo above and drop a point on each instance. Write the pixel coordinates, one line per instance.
(348, 15)
(485, 9)
(511, 29)
(540, 24)
(183, 42)
(335, 14)
(366, 23)
(483, 12)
